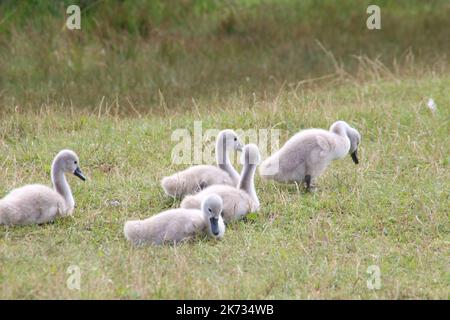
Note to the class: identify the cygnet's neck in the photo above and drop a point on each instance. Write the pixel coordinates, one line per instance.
(342, 143)
(247, 181)
(60, 184)
(340, 128)
(223, 160)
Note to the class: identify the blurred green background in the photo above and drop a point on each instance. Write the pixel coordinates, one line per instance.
(145, 51)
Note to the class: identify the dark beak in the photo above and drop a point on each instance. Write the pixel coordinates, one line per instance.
(355, 157)
(79, 174)
(214, 226)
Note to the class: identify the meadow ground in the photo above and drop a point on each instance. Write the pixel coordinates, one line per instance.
(390, 211)
(116, 98)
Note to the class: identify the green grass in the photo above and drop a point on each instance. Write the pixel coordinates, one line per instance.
(390, 211)
(116, 90)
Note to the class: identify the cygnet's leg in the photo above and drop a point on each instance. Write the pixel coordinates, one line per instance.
(307, 177)
(310, 175)
(308, 181)
(310, 187)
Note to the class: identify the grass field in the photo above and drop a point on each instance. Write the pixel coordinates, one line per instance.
(118, 111)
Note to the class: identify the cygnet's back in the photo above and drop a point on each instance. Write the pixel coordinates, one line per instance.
(169, 226)
(194, 179)
(236, 202)
(308, 151)
(31, 204)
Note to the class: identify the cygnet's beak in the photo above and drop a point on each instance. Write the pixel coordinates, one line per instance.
(79, 174)
(355, 156)
(214, 226)
(240, 147)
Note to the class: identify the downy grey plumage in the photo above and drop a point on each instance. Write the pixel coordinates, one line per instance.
(237, 201)
(306, 155)
(176, 225)
(196, 178)
(37, 204)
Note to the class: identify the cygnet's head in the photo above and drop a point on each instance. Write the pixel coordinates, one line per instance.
(212, 207)
(355, 140)
(230, 140)
(250, 155)
(342, 127)
(67, 161)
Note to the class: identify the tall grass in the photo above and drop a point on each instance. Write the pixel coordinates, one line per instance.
(146, 51)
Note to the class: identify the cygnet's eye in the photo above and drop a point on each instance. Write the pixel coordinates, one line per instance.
(75, 162)
(235, 139)
(209, 209)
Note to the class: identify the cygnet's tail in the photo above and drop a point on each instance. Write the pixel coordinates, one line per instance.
(173, 187)
(269, 168)
(133, 232)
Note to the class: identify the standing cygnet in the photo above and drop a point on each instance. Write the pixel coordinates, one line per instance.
(37, 204)
(237, 202)
(173, 226)
(196, 178)
(307, 154)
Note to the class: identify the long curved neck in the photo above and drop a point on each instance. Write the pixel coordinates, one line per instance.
(61, 186)
(340, 128)
(247, 181)
(223, 160)
(342, 145)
